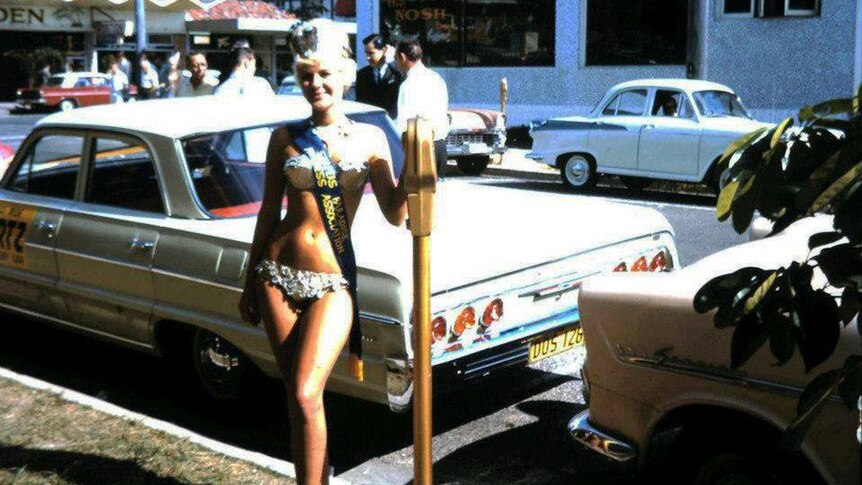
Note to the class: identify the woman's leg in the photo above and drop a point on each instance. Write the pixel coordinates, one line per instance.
(323, 333)
(280, 317)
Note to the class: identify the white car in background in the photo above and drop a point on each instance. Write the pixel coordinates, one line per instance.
(644, 130)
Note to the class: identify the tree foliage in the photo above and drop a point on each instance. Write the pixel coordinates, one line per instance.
(795, 170)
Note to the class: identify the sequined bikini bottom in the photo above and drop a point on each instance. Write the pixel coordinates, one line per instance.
(299, 285)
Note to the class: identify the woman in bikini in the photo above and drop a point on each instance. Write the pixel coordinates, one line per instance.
(303, 284)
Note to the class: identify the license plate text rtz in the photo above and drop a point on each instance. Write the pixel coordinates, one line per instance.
(561, 342)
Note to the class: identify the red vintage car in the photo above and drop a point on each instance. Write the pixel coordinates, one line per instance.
(6, 154)
(69, 91)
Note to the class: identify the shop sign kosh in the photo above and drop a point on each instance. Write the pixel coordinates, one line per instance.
(65, 19)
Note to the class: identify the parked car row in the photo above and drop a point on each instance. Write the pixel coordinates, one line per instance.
(138, 232)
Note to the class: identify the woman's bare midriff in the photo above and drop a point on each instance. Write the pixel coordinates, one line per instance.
(300, 239)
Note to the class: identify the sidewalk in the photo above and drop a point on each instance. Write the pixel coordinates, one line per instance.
(55, 435)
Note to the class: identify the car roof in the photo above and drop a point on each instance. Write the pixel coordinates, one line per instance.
(180, 117)
(681, 84)
(79, 74)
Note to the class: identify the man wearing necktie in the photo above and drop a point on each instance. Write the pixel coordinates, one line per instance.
(377, 83)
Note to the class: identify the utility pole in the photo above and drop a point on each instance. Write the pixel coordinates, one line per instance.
(141, 26)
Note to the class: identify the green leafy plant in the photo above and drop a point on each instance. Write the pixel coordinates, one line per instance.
(788, 173)
(29, 61)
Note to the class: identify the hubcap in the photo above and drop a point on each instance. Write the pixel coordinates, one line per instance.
(66, 106)
(577, 171)
(219, 365)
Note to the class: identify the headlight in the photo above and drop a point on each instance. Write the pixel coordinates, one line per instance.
(19, 93)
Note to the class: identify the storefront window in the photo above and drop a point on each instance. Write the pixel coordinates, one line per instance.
(647, 32)
(436, 23)
(457, 33)
(510, 33)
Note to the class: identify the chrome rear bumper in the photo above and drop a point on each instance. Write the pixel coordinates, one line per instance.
(584, 433)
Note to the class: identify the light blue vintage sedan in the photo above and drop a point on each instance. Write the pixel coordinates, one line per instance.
(643, 130)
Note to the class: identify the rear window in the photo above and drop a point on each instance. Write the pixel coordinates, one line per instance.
(227, 168)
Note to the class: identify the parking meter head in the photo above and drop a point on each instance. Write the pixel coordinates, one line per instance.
(420, 175)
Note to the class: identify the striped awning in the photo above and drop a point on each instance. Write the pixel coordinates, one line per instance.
(169, 5)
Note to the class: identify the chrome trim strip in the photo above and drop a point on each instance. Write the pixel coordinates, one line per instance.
(58, 321)
(584, 433)
(101, 259)
(192, 279)
(718, 374)
(534, 156)
(367, 316)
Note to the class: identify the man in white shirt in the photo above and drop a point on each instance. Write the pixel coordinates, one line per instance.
(242, 81)
(423, 94)
(198, 84)
(118, 83)
(149, 80)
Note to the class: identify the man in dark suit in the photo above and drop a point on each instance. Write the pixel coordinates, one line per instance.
(378, 82)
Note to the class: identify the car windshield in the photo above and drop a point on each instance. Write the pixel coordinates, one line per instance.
(715, 104)
(55, 81)
(227, 167)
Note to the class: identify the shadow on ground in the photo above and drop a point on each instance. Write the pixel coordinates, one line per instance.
(79, 467)
(359, 431)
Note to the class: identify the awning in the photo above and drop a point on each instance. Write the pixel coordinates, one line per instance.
(169, 5)
(240, 26)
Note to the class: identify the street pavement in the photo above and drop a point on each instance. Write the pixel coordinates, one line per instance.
(507, 429)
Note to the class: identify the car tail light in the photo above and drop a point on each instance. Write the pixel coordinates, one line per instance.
(621, 268)
(493, 312)
(438, 329)
(640, 264)
(659, 262)
(466, 319)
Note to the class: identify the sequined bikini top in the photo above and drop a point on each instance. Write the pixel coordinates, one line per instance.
(352, 169)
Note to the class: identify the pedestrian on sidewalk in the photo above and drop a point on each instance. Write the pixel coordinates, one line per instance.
(423, 94)
(377, 83)
(118, 83)
(242, 81)
(149, 80)
(300, 285)
(199, 83)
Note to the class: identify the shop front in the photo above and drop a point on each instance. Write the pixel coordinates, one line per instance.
(77, 35)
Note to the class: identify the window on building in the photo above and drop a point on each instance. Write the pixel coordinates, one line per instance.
(740, 8)
(457, 33)
(770, 8)
(647, 32)
(123, 175)
(51, 167)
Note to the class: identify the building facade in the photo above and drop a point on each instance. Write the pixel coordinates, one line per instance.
(560, 56)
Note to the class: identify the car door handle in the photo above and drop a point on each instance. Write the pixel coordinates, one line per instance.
(649, 127)
(141, 244)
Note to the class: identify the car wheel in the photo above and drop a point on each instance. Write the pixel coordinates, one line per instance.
(735, 468)
(635, 183)
(473, 165)
(578, 172)
(67, 105)
(222, 370)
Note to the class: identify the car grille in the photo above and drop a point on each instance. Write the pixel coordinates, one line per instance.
(459, 139)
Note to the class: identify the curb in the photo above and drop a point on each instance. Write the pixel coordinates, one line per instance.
(278, 466)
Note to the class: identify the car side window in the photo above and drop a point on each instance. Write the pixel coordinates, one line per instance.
(632, 102)
(82, 83)
(611, 108)
(50, 167)
(123, 174)
(98, 81)
(672, 104)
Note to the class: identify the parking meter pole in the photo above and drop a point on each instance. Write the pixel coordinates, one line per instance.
(419, 180)
(504, 95)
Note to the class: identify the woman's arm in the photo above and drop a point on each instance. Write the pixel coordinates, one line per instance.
(273, 192)
(391, 198)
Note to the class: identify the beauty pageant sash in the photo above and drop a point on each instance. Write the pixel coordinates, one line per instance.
(330, 202)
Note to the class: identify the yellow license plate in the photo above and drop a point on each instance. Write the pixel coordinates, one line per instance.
(561, 342)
